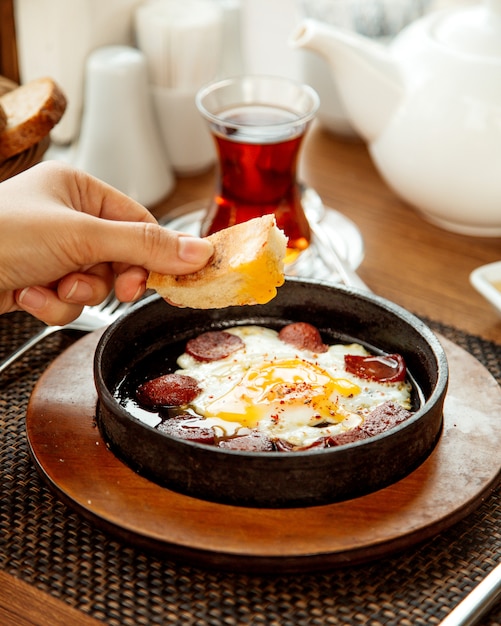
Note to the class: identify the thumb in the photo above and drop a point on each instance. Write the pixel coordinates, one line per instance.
(150, 246)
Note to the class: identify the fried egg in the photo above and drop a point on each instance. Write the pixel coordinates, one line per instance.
(294, 395)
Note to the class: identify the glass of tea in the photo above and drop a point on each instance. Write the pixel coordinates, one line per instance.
(258, 124)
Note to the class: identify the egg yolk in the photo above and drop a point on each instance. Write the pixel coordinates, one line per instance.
(275, 386)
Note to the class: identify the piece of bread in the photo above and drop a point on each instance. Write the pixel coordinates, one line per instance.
(3, 119)
(32, 110)
(246, 268)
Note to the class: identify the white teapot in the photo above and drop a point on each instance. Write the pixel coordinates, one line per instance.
(429, 107)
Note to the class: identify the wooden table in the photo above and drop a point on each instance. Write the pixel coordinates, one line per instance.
(407, 260)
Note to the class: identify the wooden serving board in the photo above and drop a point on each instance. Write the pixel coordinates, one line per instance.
(72, 457)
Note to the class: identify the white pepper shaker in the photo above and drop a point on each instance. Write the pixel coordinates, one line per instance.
(119, 141)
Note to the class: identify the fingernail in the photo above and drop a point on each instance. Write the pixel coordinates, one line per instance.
(194, 250)
(80, 292)
(139, 292)
(32, 298)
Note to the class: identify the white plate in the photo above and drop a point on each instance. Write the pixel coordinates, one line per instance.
(487, 281)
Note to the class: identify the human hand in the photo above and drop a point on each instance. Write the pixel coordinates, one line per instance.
(66, 239)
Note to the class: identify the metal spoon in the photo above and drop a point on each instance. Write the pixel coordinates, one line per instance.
(332, 260)
(313, 208)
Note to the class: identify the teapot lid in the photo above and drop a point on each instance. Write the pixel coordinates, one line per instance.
(473, 30)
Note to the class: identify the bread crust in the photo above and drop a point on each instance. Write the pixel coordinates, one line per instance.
(32, 110)
(3, 119)
(246, 268)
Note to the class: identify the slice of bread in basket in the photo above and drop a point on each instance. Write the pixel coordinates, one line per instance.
(32, 110)
(3, 119)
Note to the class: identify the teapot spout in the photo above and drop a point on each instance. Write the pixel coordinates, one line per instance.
(369, 79)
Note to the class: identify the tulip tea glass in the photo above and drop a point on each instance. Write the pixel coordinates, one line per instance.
(258, 124)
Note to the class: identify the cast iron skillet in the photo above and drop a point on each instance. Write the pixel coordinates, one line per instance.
(274, 479)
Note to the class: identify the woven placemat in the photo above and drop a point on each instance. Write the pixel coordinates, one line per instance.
(46, 544)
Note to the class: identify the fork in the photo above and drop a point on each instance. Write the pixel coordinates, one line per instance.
(91, 318)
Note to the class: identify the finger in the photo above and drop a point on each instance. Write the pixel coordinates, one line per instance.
(130, 284)
(150, 246)
(102, 200)
(7, 302)
(45, 305)
(89, 288)
(86, 194)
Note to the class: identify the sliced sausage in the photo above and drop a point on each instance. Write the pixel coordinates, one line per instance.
(379, 420)
(388, 368)
(303, 336)
(384, 417)
(213, 345)
(185, 427)
(168, 390)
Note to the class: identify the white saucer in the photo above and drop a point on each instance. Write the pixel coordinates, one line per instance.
(344, 234)
(487, 281)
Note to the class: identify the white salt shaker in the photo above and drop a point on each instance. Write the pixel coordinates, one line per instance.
(119, 141)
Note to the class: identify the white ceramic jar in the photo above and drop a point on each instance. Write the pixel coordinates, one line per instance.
(119, 141)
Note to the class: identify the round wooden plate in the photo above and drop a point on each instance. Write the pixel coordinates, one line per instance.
(72, 457)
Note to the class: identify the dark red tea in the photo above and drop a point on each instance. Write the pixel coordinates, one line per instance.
(258, 151)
